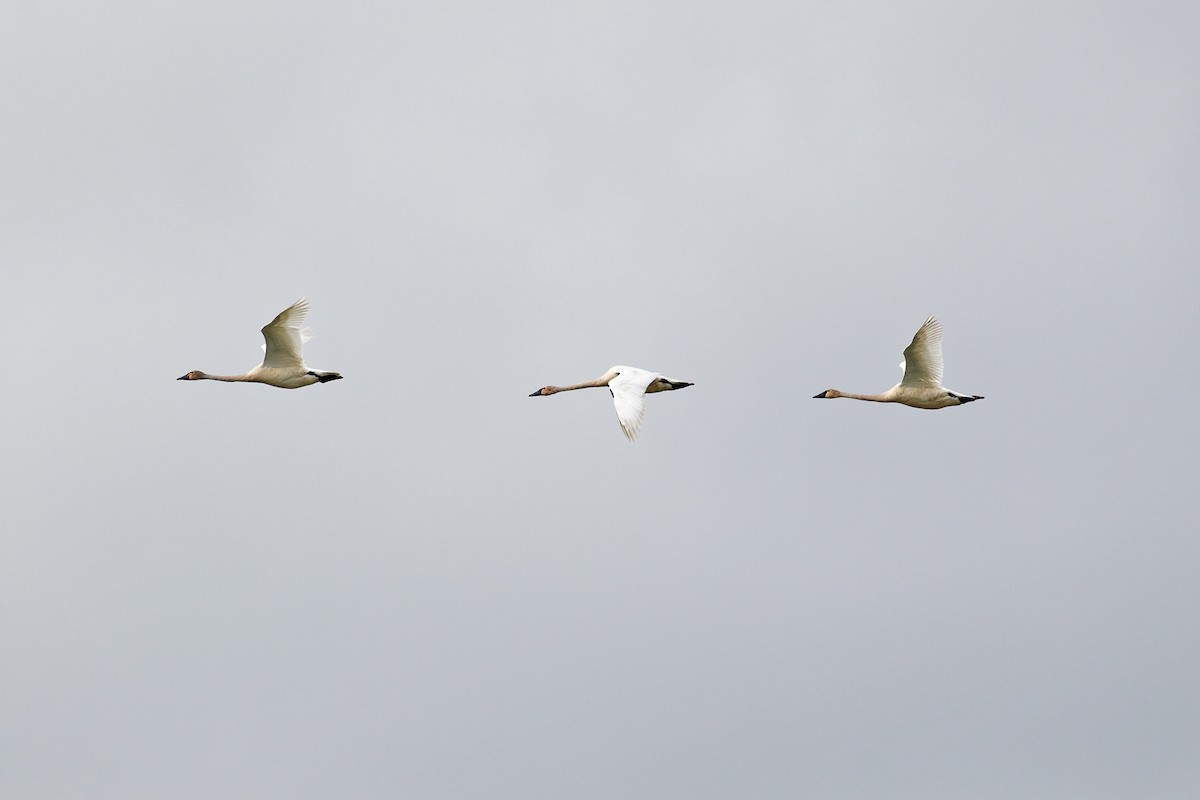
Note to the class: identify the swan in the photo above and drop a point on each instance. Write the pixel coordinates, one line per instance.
(283, 365)
(921, 386)
(629, 387)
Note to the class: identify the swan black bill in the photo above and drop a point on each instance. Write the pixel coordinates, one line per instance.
(820, 396)
(538, 393)
(182, 378)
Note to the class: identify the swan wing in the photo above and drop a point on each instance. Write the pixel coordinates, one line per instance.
(284, 339)
(923, 358)
(629, 397)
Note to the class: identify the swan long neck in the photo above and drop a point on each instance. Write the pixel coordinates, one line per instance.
(601, 381)
(204, 376)
(874, 398)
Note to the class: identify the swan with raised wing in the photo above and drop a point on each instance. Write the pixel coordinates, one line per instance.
(629, 387)
(921, 386)
(283, 364)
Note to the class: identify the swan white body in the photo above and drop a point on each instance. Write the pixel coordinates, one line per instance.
(921, 386)
(629, 387)
(283, 364)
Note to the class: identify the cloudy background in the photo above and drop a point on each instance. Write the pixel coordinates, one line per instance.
(419, 582)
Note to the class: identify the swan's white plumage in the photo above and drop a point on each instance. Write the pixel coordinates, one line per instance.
(283, 364)
(923, 358)
(285, 340)
(921, 386)
(629, 387)
(629, 398)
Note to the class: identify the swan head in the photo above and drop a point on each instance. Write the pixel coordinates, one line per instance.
(828, 394)
(194, 375)
(543, 392)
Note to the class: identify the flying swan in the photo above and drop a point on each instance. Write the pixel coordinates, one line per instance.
(922, 383)
(629, 387)
(283, 365)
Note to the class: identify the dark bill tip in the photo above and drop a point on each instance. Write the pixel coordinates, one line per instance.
(820, 396)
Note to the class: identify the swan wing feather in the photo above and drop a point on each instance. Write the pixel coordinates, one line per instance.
(284, 338)
(629, 398)
(923, 358)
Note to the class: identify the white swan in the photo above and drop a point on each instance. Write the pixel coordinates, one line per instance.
(283, 365)
(629, 387)
(922, 383)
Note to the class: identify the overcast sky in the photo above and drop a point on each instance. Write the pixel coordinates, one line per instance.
(418, 582)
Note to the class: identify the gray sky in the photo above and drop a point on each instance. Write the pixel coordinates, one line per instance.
(419, 582)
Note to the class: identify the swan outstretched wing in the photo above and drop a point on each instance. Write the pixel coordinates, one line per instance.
(629, 397)
(284, 339)
(923, 358)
